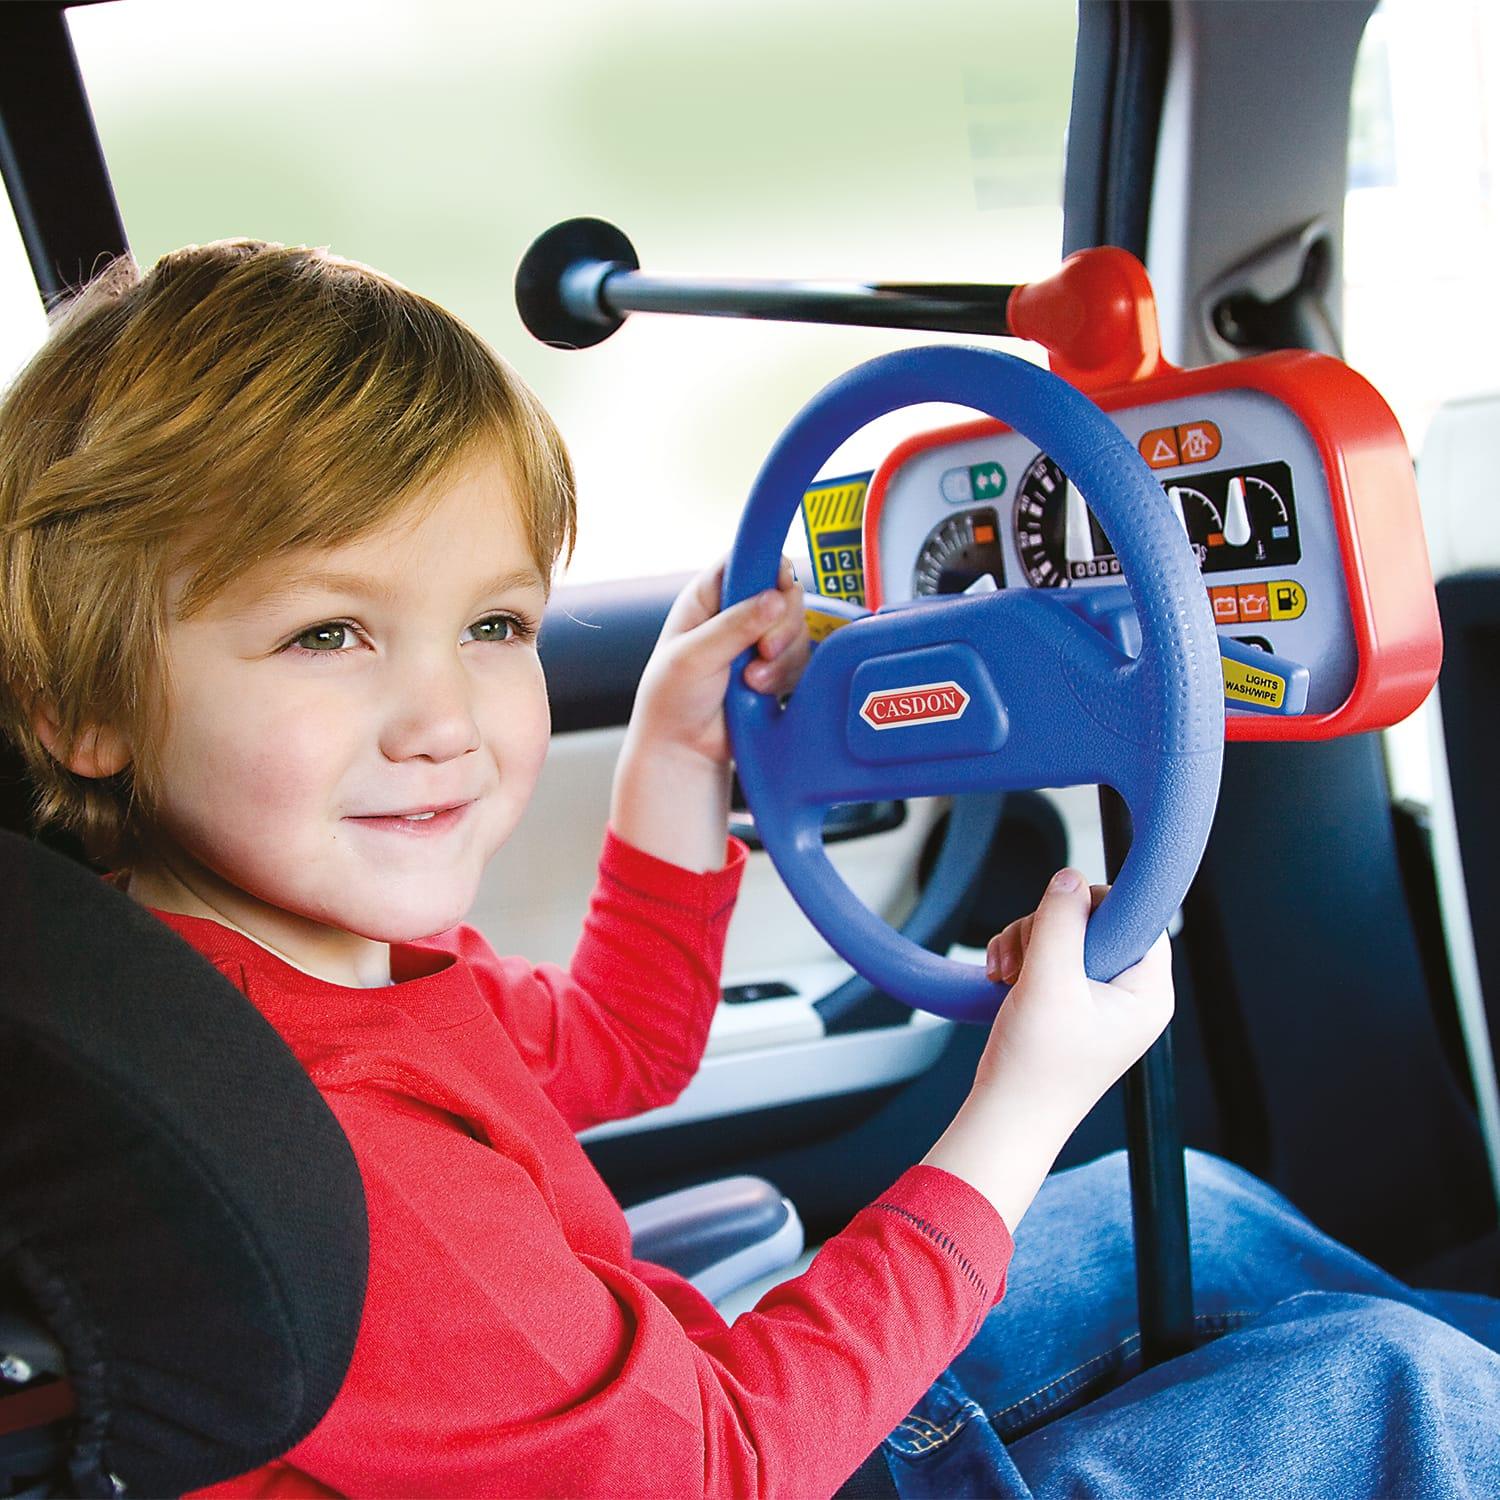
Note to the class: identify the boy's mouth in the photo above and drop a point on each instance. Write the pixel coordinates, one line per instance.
(417, 820)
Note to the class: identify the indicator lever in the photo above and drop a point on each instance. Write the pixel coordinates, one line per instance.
(1255, 681)
(1259, 681)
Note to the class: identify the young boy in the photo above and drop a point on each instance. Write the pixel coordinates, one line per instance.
(277, 536)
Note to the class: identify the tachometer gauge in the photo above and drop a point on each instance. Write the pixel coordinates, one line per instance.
(960, 554)
(1056, 534)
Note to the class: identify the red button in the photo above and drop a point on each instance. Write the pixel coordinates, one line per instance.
(1159, 448)
(1198, 442)
(1255, 603)
(1226, 605)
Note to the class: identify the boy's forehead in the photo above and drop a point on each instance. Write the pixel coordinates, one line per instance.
(462, 534)
(264, 589)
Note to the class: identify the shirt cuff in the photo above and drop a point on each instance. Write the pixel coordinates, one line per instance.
(704, 894)
(957, 1216)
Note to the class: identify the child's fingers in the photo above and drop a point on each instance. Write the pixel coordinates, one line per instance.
(783, 650)
(713, 644)
(1007, 949)
(779, 677)
(1002, 959)
(790, 628)
(1058, 924)
(698, 602)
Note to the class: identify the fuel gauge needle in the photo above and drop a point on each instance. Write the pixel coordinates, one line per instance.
(1078, 545)
(1236, 516)
(1175, 496)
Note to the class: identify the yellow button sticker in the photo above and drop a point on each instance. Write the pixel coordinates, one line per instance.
(1288, 599)
(1245, 684)
(821, 623)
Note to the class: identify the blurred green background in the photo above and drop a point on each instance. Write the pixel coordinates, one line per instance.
(436, 140)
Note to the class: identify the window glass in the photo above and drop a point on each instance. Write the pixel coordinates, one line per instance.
(1422, 216)
(23, 323)
(853, 139)
(1422, 238)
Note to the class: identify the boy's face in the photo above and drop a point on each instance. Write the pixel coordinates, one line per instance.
(353, 733)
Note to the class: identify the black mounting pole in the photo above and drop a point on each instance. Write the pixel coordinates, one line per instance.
(581, 279)
(1158, 1178)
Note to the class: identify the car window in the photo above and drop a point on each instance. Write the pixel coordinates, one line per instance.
(23, 324)
(850, 140)
(1422, 238)
(1422, 215)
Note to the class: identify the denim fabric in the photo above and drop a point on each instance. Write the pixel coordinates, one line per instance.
(1321, 1374)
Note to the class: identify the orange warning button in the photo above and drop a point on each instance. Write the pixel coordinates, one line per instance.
(1226, 606)
(1255, 603)
(1198, 442)
(1159, 448)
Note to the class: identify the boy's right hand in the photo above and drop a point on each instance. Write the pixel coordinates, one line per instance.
(1060, 1040)
(1060, 1034)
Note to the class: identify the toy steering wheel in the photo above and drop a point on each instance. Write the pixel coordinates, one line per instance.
(1001, 691)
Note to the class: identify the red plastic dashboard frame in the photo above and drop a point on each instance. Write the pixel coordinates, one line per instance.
(1116, 358)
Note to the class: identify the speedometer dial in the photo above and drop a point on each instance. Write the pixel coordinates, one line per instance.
(959, 554)
(1057, 536)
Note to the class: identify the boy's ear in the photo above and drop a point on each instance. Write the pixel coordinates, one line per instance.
(99, 751)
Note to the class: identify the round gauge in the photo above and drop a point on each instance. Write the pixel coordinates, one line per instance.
(1257, 526)
(1057, 536)
(1039, 524)
(1270, 520)
(959, 553)
(1200, 518)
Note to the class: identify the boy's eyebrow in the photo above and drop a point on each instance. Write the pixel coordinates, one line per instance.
(327, 581)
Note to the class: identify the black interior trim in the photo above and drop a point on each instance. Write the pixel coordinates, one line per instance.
(1119, 78)
(50, 156)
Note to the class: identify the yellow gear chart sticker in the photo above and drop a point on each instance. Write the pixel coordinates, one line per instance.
(833, 511)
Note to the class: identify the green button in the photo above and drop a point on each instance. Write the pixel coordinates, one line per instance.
(986, 481)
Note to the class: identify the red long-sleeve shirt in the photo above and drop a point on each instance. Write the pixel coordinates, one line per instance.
(510, 1345)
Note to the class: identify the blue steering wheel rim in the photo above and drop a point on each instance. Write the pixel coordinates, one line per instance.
(1152, 726)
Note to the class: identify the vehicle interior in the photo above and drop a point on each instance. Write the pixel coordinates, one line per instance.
(671, 220)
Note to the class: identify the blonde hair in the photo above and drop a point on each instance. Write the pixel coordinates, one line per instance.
(236, 402)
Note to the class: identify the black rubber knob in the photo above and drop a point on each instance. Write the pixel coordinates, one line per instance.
(559, 279)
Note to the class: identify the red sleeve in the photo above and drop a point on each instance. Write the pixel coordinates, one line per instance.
(623, 1029)
(493, 1359)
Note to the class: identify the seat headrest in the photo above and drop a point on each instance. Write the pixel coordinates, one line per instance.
(1456, 476)
(175, 1196)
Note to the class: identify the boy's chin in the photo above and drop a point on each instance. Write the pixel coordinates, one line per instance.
(408, 921)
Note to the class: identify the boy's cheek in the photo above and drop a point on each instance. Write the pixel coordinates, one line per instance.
(241, 767)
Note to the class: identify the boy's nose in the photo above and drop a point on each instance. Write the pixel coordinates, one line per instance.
(430, 717)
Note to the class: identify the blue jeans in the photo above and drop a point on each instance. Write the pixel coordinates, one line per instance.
(1322, 1374)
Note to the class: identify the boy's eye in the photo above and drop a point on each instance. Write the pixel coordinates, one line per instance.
(329, 636)
(495, 628)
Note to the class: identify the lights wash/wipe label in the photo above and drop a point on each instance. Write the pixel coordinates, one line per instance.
(1246, 684)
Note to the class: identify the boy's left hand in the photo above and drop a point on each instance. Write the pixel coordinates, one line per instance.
(671, 785)
(680, 702)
